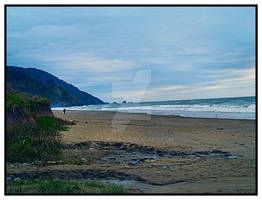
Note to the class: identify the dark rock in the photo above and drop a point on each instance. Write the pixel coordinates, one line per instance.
(134, 162)
(218, 151)
(142, 159)
(118, 144)
(230, 157)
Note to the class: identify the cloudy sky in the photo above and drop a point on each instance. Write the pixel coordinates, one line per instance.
(139, 53)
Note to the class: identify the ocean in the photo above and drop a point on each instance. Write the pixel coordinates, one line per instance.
(226, 108)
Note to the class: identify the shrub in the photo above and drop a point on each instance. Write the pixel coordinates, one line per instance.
(40, 141)
(60, 186)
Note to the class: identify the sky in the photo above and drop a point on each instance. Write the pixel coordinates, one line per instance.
(139, 53)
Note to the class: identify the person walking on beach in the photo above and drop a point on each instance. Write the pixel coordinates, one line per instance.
(64, 110)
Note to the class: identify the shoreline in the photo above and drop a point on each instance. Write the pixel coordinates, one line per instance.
(141, 113)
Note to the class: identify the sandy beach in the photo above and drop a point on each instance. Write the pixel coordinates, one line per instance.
(157, 154)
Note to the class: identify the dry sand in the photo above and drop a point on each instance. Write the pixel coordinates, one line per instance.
(169, 132)
(158, 154)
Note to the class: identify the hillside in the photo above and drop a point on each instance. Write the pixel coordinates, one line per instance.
(35, 82)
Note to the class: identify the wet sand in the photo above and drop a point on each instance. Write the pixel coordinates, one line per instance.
(157, 154)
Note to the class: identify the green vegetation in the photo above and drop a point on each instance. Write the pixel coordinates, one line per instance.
(29, 135)
(64, 187)
(39, 140)
(14, 100)
(107, 188)
(59, 186)
(25, 105)
(50, 124)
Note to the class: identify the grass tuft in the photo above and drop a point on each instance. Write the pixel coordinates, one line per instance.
(59, 186)
(40, 141)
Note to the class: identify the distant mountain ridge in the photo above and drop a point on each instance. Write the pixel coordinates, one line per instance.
(35, 82)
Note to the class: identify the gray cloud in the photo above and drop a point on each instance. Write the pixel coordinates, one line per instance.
(92, 47)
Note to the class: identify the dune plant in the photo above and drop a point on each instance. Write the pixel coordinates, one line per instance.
(35, 141)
